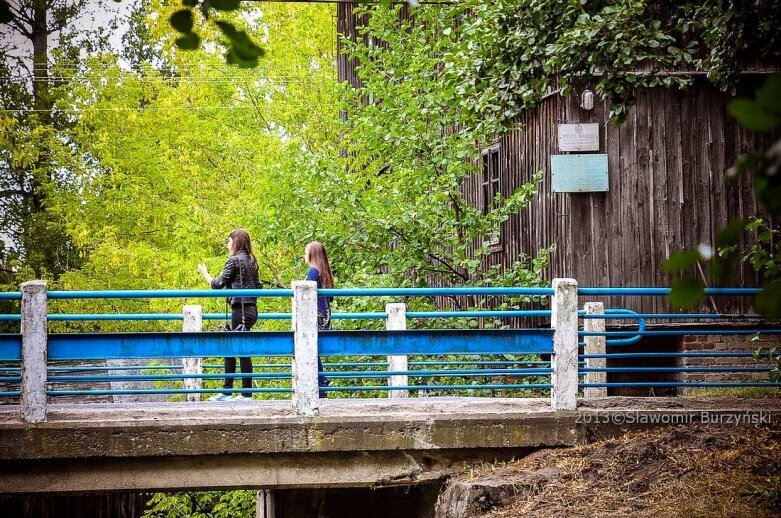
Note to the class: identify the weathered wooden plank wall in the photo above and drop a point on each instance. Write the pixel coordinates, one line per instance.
(347, 26)
(668, 191)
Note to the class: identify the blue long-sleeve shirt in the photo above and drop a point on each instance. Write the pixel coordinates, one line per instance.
(323, 303)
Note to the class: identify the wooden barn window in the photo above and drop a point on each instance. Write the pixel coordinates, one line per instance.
(492, 174)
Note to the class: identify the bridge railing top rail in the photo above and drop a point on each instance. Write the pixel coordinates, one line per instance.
(284, 292)
(661, 291)
(371, 292)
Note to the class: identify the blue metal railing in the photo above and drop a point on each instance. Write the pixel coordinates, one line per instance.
(634, 292)
(86, 368)
(432, 292)
(530, 342)
(167, 294)
(681, 359)
(474, 341)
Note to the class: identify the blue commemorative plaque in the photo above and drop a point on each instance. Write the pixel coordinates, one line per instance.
(579, 173)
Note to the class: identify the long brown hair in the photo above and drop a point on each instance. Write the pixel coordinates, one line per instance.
(316, 256)
(242, 243)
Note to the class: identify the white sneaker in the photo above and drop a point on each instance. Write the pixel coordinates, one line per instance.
(221, 397)
(243, 399)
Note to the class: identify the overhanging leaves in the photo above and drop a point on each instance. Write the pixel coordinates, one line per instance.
(730, 235)
(243, 51)
(686, 293)
(188, 41)
(182, 21)
(768, 301)
(225, 5)
(6, 16)
(680, 260)
(752, 115)
(768, 95)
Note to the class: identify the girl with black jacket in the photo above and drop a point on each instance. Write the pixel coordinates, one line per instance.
(240, 272)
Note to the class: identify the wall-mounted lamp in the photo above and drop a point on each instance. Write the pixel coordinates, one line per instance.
(587, 100)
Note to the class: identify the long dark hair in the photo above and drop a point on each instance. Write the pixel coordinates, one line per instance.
(316, 256)
(242, 243)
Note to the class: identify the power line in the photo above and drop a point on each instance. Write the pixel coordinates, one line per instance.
(354, 2)
(127, 74)
(204, 64)
(323, 65)
(200, 68)
(139, 109)
(205, 80)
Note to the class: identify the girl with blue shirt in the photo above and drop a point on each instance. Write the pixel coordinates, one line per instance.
(320, 272)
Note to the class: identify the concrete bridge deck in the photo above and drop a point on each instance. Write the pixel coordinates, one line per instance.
(352, 443)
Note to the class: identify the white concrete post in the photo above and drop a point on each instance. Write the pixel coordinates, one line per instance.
(564, 362)
(397, 321)
(306, 401)
(34, 335)
(192, 323)
(264, 506)
(595, 345)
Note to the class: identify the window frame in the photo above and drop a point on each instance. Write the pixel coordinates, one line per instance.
(491, 186)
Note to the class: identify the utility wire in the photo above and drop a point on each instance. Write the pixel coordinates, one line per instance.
(205, 80)
(354, 2)
(250, 107)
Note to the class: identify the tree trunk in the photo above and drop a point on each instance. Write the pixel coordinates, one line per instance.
(42, 104)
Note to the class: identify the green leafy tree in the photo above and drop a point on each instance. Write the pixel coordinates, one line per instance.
(241, 49)
(389, 194)
(41, 44)
(512, 52)
(211, 504)
(183, 148)
(33, 154)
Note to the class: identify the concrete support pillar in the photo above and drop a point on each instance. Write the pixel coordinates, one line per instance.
(564, 362)
(264, 507)
(306, 400)
(595, 345)
(397, 321)
(192, 323)
(34, 338)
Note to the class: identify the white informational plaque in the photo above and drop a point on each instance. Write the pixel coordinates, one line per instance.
(579, 137)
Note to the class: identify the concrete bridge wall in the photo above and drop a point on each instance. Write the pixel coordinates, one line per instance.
(353, 443)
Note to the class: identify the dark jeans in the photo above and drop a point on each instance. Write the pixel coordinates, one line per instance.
(250, 317)
(323, 324)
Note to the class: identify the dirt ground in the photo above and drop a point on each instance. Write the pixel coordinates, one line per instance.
(686, 471)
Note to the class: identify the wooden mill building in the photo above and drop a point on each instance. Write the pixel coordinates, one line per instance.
(666, 185)
(666, 190)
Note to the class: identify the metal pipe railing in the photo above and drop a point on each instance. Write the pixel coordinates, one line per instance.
(562, 380)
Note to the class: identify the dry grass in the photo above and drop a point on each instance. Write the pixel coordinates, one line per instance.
(675, 472)
(741, 392)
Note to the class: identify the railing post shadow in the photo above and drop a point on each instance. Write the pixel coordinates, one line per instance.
(34, 351)
(595, 345)
(192, 323)
(564, 361)
(397, 321)
(306, 400)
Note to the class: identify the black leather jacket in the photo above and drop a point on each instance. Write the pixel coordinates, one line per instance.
(240, 272)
